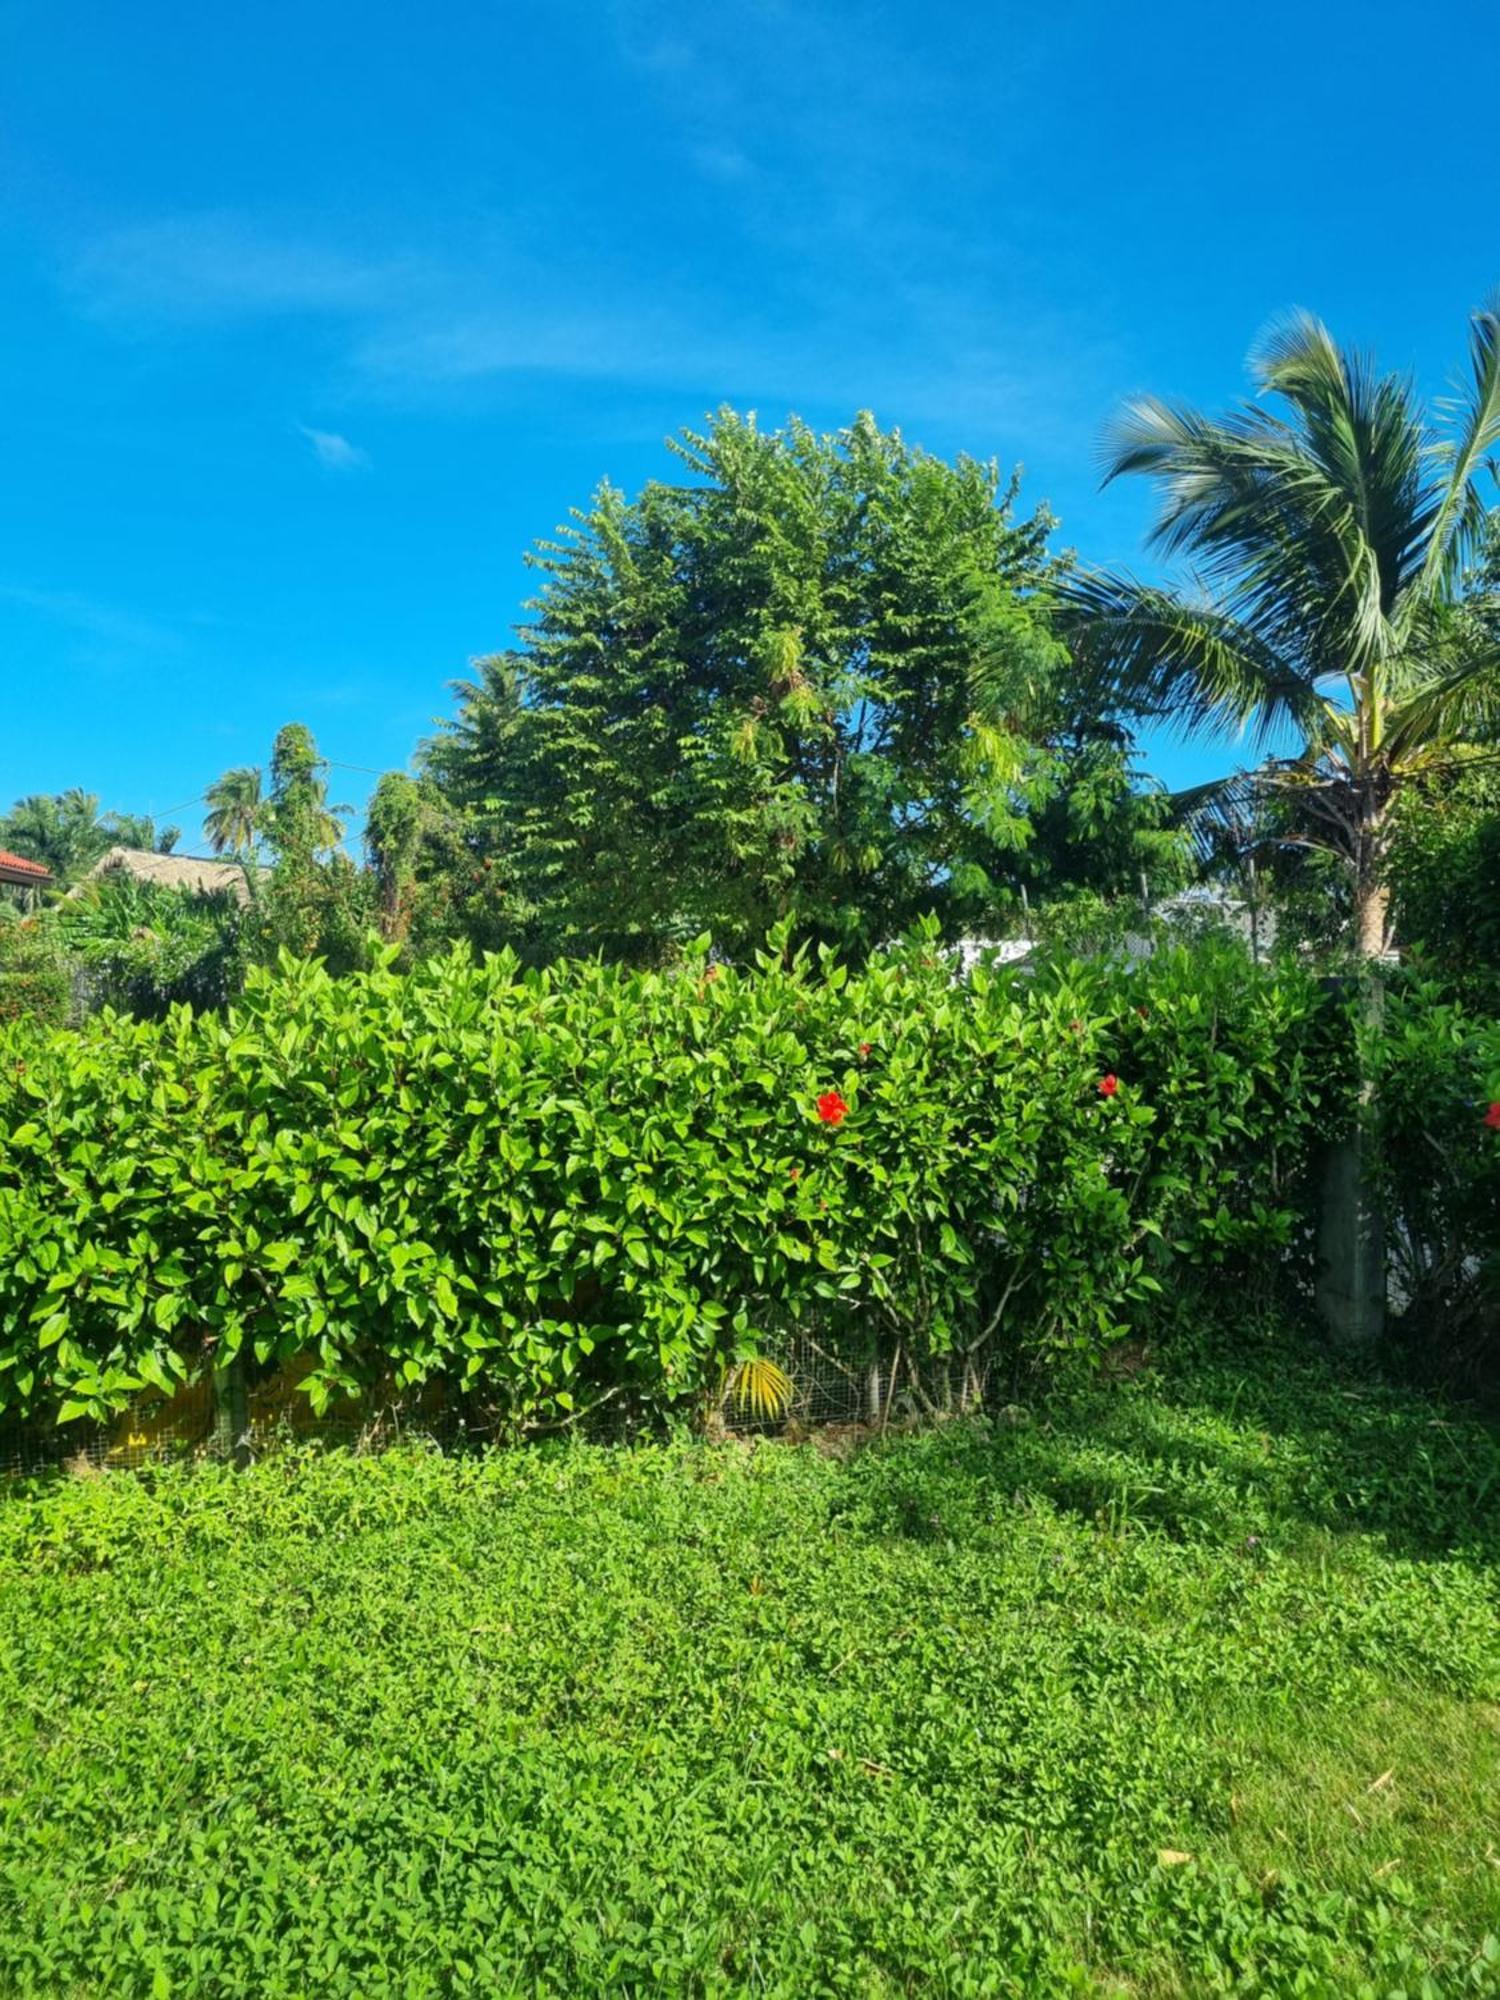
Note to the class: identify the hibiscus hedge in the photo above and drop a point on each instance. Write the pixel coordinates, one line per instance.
(545, 1187)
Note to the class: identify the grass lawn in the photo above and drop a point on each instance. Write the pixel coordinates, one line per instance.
(1185, 1687)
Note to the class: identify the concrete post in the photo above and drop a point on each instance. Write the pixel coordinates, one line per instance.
(1351, 1245)
(1351, 1281)
(232, 1411)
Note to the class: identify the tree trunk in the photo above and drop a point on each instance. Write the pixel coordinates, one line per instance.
(392, 913)
(1252, 884)
(1372, 919)
(1372, 899)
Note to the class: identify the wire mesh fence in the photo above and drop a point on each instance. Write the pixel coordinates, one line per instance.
(867, 1388)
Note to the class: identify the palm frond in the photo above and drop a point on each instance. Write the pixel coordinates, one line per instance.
(1460, 518)
(1194, 665)
(1309, 530)
(234, 809)
(759, 1388)
(1363, 432)
(1221, 818)
(1454, 707)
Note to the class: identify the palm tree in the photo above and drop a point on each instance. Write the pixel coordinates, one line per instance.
(1329, 544)
(234, 803)
(61, 831)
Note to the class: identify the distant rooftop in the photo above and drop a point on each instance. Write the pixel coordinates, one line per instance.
(16, 868)
(199, 874)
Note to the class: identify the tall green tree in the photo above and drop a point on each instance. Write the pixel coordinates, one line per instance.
(806, 681)
(1329, 537)
(430, 885)
(290, 816)
(307, 896)
(296, 818)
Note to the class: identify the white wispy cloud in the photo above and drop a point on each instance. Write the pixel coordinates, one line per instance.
(334, 451)
(722, 163)
(818, 150)
(218, 266)
(92, 618)
(910, 337)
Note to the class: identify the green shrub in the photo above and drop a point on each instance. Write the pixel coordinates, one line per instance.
(34, 982)
(1436, 1067)
(556, 1186)
(142, 946)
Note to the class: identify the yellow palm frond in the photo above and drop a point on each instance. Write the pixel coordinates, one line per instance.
(759, 1388)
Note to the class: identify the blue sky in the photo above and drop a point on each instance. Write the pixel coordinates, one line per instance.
(314, 316)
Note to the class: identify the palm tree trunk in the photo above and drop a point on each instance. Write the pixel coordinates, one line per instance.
(1372, 919)
(1372, 897)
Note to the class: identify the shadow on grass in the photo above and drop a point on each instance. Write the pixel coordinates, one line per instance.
(1276, 1440)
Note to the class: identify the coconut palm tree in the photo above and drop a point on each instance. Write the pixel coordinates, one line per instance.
(1329, 541)
(234, 803)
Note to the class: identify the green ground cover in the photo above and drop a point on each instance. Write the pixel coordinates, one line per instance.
(1184, 1686)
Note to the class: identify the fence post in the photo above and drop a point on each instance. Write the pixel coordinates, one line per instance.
(232, 1411)
(1351, 1281)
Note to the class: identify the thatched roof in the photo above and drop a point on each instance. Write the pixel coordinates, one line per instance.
(195, 872)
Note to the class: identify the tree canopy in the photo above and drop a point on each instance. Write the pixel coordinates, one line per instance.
(812, 680)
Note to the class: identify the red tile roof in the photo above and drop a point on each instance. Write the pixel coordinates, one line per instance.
(22, 866)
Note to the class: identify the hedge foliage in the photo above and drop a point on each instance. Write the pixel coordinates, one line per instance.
(550, 1186)
(1435, 1066)
(34, 981)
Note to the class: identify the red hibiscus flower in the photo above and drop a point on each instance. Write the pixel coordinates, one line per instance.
(1108, 1085)
(831, 1108)
(1492, 1116)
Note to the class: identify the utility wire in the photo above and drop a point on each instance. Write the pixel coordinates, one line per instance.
(165, 812)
